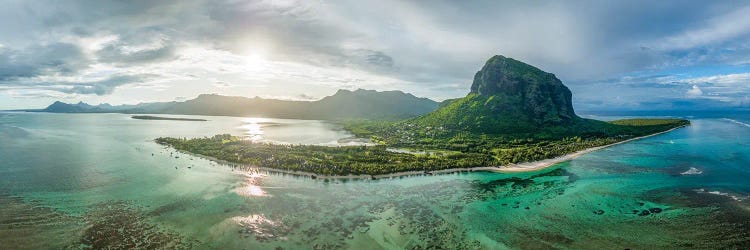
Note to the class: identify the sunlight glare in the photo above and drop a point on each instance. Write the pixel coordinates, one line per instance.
(253, 128)
(255, 60)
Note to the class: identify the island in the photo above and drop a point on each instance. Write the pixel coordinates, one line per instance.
(148, 117)
(516, 117)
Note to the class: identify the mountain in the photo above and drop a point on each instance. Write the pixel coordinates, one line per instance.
(344, 104)
(69, 108)
(540, 94)
(371, 103)
(509, 97)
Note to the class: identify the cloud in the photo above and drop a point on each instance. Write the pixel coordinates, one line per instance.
(718, 29)
(725, 79)
(695, 91)
(664, 92)
(300, 97)
(305, 97)
(145, 46)
(222, 84)
(37, 60)
(102, 87)
(197, 46)
(377, 59)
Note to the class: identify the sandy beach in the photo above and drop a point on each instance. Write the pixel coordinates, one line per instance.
(542, 164)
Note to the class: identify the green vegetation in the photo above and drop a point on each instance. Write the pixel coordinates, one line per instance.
(148, 117)
(643, 122)
(355, 160)
(508, 148)
(479, 114)
(445, 149)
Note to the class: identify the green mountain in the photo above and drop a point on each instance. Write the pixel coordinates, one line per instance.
(345, 104)
(510, 97)
(539, 94)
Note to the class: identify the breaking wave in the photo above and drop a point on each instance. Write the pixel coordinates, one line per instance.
(735, 197)
(692, 171)
(736, 122)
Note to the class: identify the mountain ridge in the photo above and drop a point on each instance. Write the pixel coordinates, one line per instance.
(344, 104)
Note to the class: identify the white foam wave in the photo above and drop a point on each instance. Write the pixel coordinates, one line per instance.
(692, 171)
(735, 197)
(736, 122)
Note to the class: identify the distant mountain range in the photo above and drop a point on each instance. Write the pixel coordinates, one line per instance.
(344, 104)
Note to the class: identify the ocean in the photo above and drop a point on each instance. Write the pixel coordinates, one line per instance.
(99, 180)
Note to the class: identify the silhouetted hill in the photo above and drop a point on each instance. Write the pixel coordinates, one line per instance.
(368, 104)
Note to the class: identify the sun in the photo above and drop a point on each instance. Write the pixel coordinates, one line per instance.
(254, 61)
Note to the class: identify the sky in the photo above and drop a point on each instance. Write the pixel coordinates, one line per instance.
(613, 55)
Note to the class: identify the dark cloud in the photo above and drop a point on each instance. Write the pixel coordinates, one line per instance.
(102, 87)
(379, 59)
(306, 97)
(115, 54)
(37, 60)
(375, 61)
(153, 48)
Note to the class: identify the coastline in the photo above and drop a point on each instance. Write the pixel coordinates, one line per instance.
(542, 164)
(162, 118)
(511, 168)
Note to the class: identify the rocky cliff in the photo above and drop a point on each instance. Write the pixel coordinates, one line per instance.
(539, 94)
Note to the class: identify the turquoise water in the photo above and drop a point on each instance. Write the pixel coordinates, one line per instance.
(99, 180)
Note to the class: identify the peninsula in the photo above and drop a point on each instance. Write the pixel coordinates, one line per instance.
(149, 117)
(516, 117)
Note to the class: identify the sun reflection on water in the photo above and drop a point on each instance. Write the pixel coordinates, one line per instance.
(252, 187)
(261, 227)
(253, 128)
